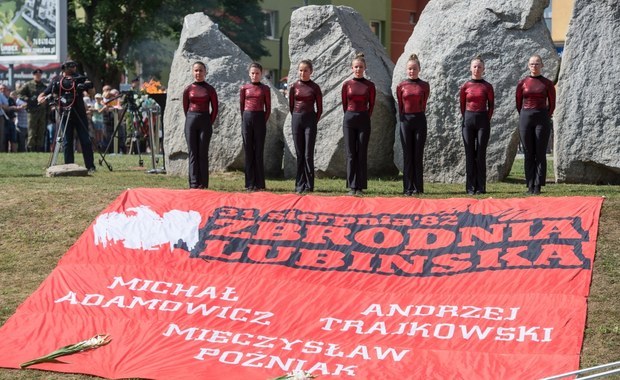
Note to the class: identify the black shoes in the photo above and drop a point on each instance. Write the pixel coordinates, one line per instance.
(533, 190)
(412, 193)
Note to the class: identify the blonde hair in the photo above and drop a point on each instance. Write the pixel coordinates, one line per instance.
(477, 58)
(537, 57)
(414, 58)
(359, 56)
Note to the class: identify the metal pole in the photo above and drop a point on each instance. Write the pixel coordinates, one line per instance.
(586, 370)
(280, 51)
(11, 74)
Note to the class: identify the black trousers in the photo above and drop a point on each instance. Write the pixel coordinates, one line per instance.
(304, 137)
(78, 123)
(476, 132)
(413, 129)
(253, 131)
(534, 131)
(356, 128)
(198, 132)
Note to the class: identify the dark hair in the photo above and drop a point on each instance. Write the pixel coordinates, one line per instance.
(255, 65)
(306, 62)
(198, 63)
(359, 56)
(68, 63)
(414, 58)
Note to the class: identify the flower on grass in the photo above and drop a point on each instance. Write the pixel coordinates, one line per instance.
(89, 344)
(296, 375)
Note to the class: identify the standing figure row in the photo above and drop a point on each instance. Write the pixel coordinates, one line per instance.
(535, 100)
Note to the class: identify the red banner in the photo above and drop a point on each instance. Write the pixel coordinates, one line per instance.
(200, 284)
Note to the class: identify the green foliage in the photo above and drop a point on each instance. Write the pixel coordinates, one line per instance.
(242, 22)
(105, 36)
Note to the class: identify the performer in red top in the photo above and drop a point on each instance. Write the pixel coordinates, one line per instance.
(255, 102)
(412, 95)
(358, 102)
(535, 99)
(200, 108)
(303, 95)
(477, 100)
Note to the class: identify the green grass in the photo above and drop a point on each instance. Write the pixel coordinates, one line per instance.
(40, 218)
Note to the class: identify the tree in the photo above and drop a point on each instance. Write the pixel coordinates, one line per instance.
(103, 32)
(242, 22)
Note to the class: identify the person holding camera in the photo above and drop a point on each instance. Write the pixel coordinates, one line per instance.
(67, 90)
(37, 113)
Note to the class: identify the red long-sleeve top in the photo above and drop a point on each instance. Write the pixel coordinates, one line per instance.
(303, 95)
(198, 96)
(412, 95)
(477, 95)
(255, 97)
(536, 93)
(358, 95)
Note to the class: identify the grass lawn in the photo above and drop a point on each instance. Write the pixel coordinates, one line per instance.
(40, 218)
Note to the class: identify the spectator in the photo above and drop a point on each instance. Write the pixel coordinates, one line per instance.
(9, 109)
(22, 122)
(37, 113)
(97, 118)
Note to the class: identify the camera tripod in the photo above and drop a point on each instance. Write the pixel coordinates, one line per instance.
(138, 126)
(61, 131)
(60, 135)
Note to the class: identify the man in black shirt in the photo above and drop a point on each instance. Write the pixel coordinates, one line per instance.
(67, 89)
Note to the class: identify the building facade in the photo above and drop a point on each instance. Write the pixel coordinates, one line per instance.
(557, 17)
(391, 20)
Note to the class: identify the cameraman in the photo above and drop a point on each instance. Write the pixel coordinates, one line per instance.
(67, 89)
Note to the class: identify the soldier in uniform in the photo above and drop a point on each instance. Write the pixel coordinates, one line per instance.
(37, 113)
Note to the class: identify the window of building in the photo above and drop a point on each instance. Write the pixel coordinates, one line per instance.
(377, 28)
(547, 16)
(271, 24)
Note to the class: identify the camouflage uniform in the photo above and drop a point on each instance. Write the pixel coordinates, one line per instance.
(37, 114)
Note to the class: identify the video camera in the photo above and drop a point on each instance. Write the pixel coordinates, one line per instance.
(69, 88)
(128, 98)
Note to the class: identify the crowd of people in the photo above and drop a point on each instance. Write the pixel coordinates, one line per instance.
(30, 120)
(535, 103)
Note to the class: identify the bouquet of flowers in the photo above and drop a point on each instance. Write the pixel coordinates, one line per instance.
(296, 375)
(89, 344)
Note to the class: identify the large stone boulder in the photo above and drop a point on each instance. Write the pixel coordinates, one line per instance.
(448, 35)
(330, 36)
(227, 67)
(587, 118)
